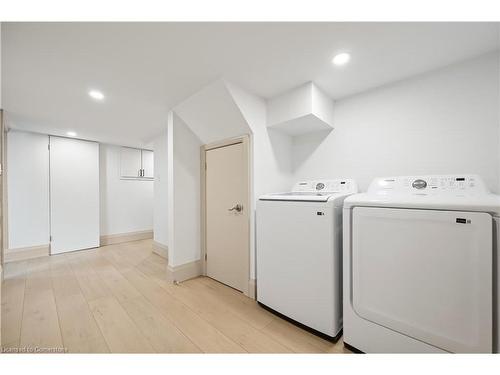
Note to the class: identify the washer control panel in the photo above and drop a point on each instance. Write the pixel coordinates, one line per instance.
(345, 185)
(429, 184)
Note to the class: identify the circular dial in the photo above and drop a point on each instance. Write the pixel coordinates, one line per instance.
(320, 186)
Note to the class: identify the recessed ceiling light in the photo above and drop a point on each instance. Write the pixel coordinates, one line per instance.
(97, 95)
(341, 59)
(71, 134)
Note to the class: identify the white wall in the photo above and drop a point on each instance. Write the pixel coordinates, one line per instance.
(126, 205)
(212, 115)
(209, 115)
(441, 122)
(160, 206)
(28, 189)
(446, 121)
(271, 155)
(220, 111)
(272, 162)
(186, 195)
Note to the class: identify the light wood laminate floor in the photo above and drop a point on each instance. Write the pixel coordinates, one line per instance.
(116, 299)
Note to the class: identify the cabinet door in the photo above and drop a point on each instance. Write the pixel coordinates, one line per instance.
(130, 162)
(147, 163)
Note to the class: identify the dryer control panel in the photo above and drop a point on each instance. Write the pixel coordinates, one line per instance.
(429, 184)
(344, 185)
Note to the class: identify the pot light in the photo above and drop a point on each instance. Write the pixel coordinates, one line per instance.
(341, 59)
(71, 134)
(97, 95)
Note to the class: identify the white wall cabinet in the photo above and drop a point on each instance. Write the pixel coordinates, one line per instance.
(130, 162)
(147, 164)
(136, 163)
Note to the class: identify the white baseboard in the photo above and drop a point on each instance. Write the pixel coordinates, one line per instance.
(252, 289)
(160, 249)
(25, 253)
(184, 272)
(110, 239)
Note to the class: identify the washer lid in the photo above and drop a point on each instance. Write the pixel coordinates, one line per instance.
(315, 191)
(437, 192)
(298, 196)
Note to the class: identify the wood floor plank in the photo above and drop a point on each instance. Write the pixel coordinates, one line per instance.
(38, 275)
(119, 331)
(89, 281)
(121, 288)
(10, 345)
(119, 260)
(64, 281)
(163, 335)
(40, 322)
(339, 348)
(198, 330)
(244, 307)
(12, 309)
(157, 259)
(295, 338)
(286, 333)
(79, 329)
(125, 259)
(15, 270)
(116, 298)
(153, 270)
(222, 318)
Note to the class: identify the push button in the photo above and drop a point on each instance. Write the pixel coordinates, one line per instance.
(419, 184)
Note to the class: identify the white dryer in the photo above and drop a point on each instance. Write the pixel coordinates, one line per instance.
(299, 248)
(420, 261)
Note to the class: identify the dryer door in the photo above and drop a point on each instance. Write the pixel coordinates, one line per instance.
(426, 274)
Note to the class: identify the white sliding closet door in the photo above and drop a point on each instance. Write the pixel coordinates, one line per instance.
(74, 194)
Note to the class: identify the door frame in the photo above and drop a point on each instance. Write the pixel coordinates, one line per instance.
(245, 141)
(3, 193)
(4, 245)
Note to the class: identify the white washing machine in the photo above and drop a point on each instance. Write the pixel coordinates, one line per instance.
(299, 248)
(420, 261)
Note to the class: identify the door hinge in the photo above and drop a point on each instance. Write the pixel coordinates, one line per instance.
(48, 147)
(205, 166)
(50, 238)
(205, 256)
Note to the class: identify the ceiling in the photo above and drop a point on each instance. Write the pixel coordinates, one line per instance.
(144, 69)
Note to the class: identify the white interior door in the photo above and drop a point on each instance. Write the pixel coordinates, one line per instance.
(74, 194)
(227, 215)
(426, 274)
(147, 163)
